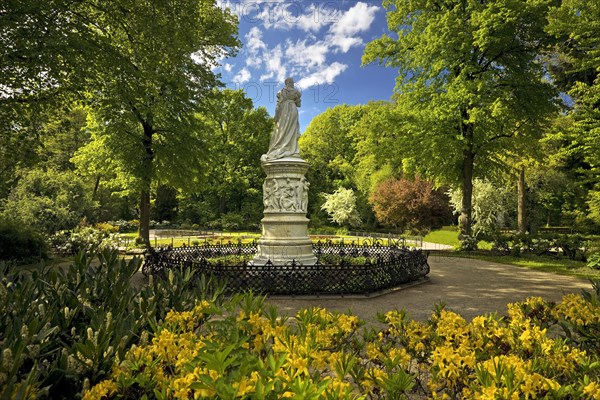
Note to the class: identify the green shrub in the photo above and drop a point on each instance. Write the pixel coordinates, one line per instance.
(48, 201)
(232, 222)
(63, 330)
(593, 261)
(126, 226)
(21, 244)
(468, 243)
(106, 227)
(573, 246)
(83, 239)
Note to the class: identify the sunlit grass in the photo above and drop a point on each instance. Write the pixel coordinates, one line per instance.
(553, 264)
(448, 235)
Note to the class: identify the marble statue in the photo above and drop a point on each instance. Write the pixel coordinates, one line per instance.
(284, 139)
(284, 236)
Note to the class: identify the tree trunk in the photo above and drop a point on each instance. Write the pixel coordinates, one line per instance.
(147, 164)
(222, 204)
(521, 216)
(144, 229)
(96, 185)
(467, 192)
(467, 179)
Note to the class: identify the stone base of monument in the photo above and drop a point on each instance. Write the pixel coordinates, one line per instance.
(285, 226)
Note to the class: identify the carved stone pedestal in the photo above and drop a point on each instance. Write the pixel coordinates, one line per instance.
(285, 226)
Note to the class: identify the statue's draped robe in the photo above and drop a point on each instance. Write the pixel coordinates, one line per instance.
(284, 140)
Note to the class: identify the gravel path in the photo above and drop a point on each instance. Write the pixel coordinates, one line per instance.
(468, 286)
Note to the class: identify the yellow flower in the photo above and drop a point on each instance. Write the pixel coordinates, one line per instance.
(552, 384)
(244, 386)
(300, 364)
(103, 389)
(592, 390)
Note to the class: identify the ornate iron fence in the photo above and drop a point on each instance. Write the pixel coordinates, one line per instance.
(340, 268)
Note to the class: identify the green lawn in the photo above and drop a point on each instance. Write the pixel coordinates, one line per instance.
(557, 265)
(447, 235)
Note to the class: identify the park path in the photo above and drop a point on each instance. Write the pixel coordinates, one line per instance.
(467, 286)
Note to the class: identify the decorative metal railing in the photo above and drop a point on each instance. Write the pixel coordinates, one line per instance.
(340, 268)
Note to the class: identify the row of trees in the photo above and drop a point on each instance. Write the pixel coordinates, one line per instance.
(71, 174)
(489, 95)
(99, 106)
(103, 115)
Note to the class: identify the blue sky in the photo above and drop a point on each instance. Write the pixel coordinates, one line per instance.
(318, 43)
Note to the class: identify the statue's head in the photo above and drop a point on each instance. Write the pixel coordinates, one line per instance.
(289, 81)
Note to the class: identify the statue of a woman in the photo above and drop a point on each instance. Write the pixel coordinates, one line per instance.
(284, 139)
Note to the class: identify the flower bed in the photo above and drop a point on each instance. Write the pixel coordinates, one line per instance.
(85, 331)
(210, 352)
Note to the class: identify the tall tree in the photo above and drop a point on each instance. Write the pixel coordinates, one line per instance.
(376, 156)
(49, 55)
(237, 135)
(470, 77)
(144, 67)
(329, 144)
(153, 82)
(577, 70)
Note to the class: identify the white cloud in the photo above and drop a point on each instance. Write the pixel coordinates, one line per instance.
(254, 40)
(357, 19)
(287, 15)
(254, 47)
(273, 63)
(310, 55)
(311, 59)
(345, 43)
(314, 18)
(242, 76)
(354, 21)
(325, 75)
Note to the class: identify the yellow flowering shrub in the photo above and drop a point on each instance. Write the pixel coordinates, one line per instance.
(241, 350)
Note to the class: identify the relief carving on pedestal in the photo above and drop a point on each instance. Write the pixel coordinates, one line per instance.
(285, 195)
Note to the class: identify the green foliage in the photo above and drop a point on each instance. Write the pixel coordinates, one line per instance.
(330, 144)
(494, 207)
(125, 226)
(86, 330)
(332, 259)
(553, 194)
(341, 207)
(83, 239)
(47, 201)
(576, 71)
(150, 89)
(471, 85)
(232, 222)
(64, 133)
(20, 244)
(593, 261)
(63, 329)
(574, 247)
(165, 205)
(236, 136)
